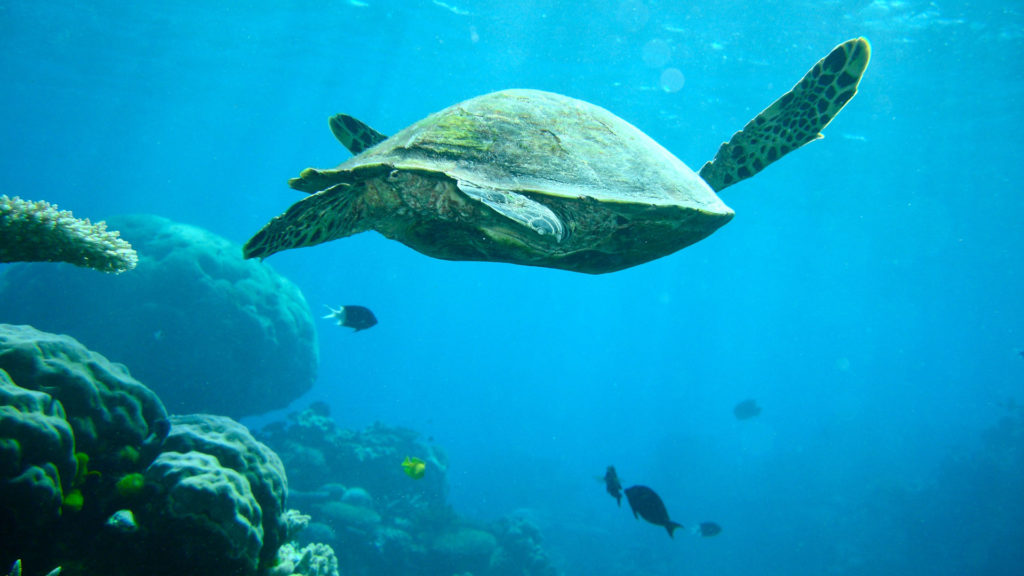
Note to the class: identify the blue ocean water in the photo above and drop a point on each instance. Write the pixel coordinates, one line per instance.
(867, 294)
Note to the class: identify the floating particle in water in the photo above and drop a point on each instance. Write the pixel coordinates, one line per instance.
(657, 53)
(632, 15)
(453, 9)
(672, 80)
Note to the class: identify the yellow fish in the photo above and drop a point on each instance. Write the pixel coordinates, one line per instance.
(414, 467)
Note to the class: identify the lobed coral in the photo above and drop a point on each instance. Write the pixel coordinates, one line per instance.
(39, 232)
(37, 461)
(205, 511)
(71, 424)
(108, 410)
(236, 449)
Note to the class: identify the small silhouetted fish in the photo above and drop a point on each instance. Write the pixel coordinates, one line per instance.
(356, 317)
(746, 410)
(709, 529)
(648, 505)
(612, 484)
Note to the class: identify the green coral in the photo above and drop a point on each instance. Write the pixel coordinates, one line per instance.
(39, 232)
(74, 500)
(131, 485)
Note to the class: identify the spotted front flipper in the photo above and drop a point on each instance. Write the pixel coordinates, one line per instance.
(328, 215)
(795, 119)
(353, 134)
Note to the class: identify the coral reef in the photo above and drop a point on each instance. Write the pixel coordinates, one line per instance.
(158, 496)
(206, 330)
(360, 501)
(313, 447)
(97, 478)
(39, 232)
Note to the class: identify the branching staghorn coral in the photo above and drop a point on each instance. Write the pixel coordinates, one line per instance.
(39, 232)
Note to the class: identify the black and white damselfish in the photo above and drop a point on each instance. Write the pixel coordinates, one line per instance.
(355, 317)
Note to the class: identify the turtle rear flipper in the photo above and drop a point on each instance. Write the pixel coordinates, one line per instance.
(795, 119)
(354, 134)
(334, 213)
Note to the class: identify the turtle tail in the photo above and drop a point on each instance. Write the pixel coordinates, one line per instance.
(328, 215)
(795, 119)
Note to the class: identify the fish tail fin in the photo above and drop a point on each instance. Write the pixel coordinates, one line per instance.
(671, 527)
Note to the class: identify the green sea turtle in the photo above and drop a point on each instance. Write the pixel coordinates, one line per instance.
(541, 179)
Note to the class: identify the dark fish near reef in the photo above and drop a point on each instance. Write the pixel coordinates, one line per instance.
(357, 317)
(746, 410)
(708, 529)
(612, 484)
(648, 505)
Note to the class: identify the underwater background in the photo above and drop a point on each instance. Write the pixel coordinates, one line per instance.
(868, 294)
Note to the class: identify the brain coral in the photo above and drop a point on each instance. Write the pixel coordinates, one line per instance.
(204, 328)
(112, 414)
(234, 448)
